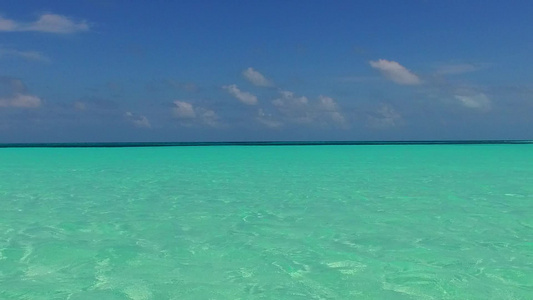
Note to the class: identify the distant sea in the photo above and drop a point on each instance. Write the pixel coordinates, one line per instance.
(399, 220)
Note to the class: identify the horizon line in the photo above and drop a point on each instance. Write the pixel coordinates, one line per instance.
(257, 143)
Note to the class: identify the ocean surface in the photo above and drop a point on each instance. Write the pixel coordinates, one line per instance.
(434, 221)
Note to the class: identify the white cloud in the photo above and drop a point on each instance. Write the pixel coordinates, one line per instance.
(256, 78)
(384, 117)
(50, 23)
(27, 55)
(456, 69)
(78, 105)
(138, 120)
(476, 101)
(268, 120)
(331, 109)
(185, 86)
(395, 72)
(12, 85)
(190, 115)
(327, 103)
(244, 97)
(21, 101)
(13, 93)
(357, 79)
(7, 25)
(183, 110)
(208, 117)
(301, 110)
(295, 109)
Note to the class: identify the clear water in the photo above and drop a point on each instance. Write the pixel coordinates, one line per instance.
(278, 222)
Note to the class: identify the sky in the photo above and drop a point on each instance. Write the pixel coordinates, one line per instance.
(186, 71)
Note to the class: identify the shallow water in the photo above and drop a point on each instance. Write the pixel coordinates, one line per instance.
(267, 222)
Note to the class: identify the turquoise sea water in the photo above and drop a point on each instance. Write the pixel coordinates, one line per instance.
(267, 222)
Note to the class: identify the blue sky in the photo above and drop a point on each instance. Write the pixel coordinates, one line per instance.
(106, 70)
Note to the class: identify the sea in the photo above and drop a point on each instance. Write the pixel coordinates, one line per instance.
(439, 220)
